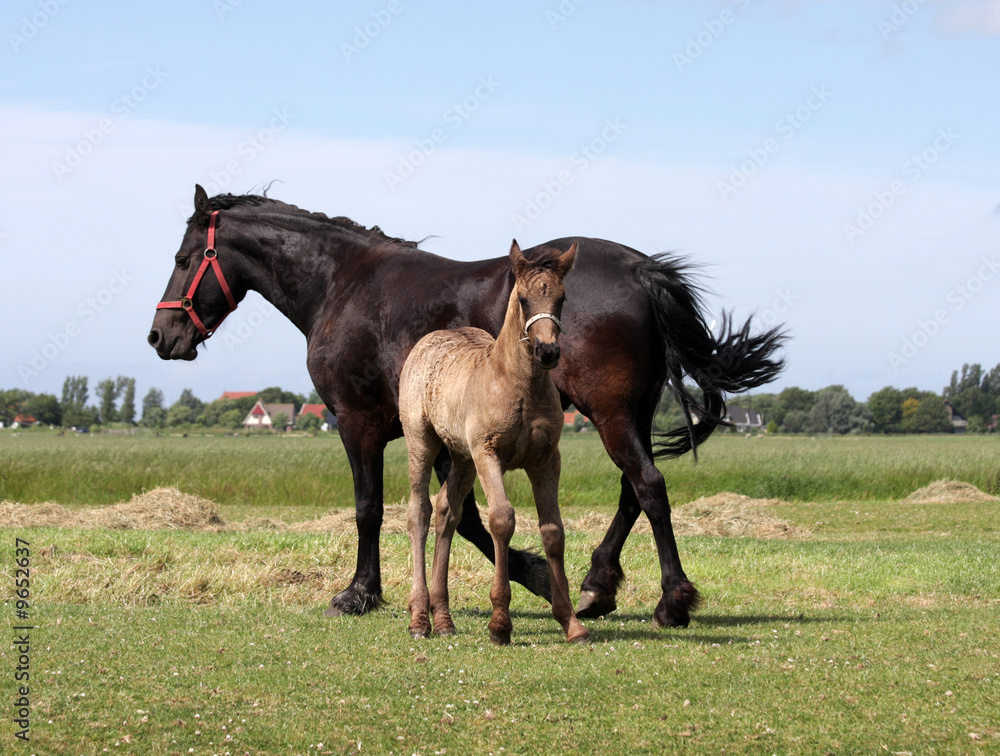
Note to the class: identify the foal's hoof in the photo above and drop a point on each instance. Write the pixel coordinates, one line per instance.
(583, 639)
(445, 631)
(500, 639)
(418, 634)
(593, 604)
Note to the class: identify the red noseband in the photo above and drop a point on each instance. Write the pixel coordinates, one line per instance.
(186, 303)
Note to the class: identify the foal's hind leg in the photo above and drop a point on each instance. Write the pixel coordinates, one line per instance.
(448, 511)
(545, 486)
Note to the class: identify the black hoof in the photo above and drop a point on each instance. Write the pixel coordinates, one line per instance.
(354, 601)
(593, 604)
(531, 571)
(675, 607)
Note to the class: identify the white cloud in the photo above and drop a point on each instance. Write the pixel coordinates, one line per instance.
(977, 17)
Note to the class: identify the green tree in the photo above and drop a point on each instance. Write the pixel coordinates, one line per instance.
(835, 411)
(974, 393)
(796, 421)
(792, 399)
(925, 412)
(44, 408)
(186, 409)
(126, 413)
(108, 391)
(153, 413)
(75, 413)
(886, 406)
(279, 421)
(308, 423)
(232, 419)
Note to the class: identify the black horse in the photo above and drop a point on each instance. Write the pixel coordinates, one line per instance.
(633, 325)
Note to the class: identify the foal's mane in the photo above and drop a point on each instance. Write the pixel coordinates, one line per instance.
(239, 201)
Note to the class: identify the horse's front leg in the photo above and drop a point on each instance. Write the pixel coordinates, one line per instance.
(545, 487)
(526, 567)
(600, 586)
(501, 516)
(365, 449)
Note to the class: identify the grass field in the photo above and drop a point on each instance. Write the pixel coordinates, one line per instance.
(878, 633)
(276, 475)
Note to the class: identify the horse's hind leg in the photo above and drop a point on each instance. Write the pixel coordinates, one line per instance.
(526, 567)
(502, 529)
(448, 511)
(634, 457)
(545, 486)
(422, 446)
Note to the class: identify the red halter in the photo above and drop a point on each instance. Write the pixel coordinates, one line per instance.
(186, 303)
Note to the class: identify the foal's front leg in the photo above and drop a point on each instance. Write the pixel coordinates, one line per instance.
(418, 516)
(545, 487)
(501, 517)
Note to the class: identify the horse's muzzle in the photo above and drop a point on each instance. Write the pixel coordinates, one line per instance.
(170, 352)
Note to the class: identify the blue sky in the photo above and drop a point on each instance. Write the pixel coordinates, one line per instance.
(835, 166)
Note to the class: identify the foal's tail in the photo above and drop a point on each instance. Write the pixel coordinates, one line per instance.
(733, 362)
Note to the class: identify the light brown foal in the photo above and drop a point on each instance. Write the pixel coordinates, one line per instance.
(494, 405)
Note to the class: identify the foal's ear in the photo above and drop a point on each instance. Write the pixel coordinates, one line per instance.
(567, 260)
(517, 259)
(202, 211)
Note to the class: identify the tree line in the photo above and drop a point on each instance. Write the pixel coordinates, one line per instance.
(974, 393)
(114, 405)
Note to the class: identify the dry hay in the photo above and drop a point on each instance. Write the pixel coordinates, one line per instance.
(722, 515)
(343, 521)
(732, 515)
(948, 491)
(159, 509)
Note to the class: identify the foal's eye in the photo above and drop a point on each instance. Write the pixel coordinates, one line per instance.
(522, 301)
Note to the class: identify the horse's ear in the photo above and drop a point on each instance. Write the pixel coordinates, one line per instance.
(202, 211)
(567, 260)
(517, 259)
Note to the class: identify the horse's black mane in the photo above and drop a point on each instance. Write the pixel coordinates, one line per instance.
(231, 201)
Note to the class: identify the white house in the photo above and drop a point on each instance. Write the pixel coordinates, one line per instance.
(263, 415)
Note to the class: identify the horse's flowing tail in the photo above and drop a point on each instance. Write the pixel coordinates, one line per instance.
(735, 361)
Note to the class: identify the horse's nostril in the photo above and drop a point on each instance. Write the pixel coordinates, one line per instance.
(153, 338)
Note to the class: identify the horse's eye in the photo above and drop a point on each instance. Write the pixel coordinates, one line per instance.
(182, 263)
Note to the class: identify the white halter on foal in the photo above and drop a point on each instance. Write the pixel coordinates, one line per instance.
(535, 318)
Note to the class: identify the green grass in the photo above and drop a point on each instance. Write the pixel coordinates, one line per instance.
(803, 647)
(275, 475)
(878, 634)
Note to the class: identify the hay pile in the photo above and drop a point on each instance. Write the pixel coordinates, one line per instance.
(948, 491)
(732, 515)
(159, 509)
(723, 515)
